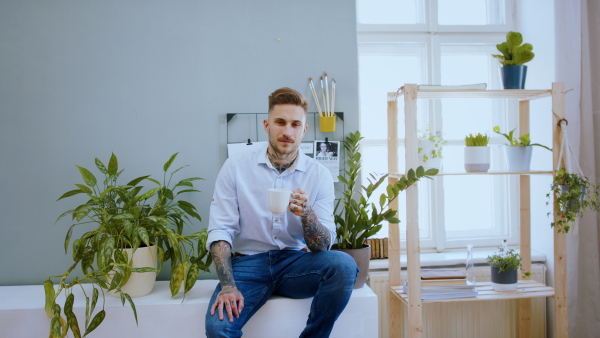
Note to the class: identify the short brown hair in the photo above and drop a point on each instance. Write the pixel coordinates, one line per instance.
(287, 95)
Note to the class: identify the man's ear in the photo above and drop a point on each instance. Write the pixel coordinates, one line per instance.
(266, 125)
(305, 129)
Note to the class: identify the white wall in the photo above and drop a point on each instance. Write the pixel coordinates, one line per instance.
(142, 79)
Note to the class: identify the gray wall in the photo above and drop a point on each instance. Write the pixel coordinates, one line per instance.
(142, 79)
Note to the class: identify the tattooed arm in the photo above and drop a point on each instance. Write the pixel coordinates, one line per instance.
(316, 236)
(230, 298)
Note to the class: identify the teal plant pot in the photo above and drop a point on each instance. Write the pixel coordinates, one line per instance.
(513, 77)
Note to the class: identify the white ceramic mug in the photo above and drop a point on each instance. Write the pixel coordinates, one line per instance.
(279, 200)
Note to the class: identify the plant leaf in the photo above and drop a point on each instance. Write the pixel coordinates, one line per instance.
(132, 307)
(191, 278)
(113, 165)
(97, 320)
(169, 162)
(70, 193)
(176, 278)
(87, 176)
(49, 292)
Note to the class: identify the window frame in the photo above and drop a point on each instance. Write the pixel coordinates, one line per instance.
(434, 38)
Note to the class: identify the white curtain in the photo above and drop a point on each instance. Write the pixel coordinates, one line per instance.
(577, 25)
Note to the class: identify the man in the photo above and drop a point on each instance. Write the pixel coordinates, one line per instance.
(271, 255)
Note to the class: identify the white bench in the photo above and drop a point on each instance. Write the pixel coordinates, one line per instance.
(22, 314)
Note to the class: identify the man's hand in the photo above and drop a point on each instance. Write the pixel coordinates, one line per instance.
(299, 203)
(316, 236)
(230, 298)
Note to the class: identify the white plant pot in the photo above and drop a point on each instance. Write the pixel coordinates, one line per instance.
(518, 158)
(477, 159)
(426, 152)
(140, 283)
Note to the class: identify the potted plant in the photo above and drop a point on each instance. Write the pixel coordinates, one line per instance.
(573, 194)
(505, 265)
(120, 217)
(356, 216)
(514, 54)
(430, 149)
(518, 152)
(477, 153)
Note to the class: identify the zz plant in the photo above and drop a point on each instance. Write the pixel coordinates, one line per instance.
(356, 217)
(574, 194)
(115, 217)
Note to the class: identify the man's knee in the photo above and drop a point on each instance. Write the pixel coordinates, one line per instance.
(342, 263)
(216, 328)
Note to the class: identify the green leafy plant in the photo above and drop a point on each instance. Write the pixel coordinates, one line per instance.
(523, 141)
(122, 216)
(358, 218)
(573, 195)
(507, 260)
(477, 140)
(437, 142)
(514, 51)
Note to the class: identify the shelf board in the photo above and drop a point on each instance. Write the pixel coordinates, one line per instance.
(525, 289)
(521, 94)
(535, 172)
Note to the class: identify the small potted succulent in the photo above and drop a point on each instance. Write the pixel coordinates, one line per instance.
(477, 153)
(514, 55)
(519, 150)
(505, 265)
(573, 194)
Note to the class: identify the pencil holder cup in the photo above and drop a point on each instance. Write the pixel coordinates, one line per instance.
(327, 123)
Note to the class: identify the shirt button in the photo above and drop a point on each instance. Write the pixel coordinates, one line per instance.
(275, 220)
(275, 237)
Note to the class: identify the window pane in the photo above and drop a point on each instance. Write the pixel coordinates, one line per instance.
(470, 12)
(390, 11)
(479, 212)
(380, 74)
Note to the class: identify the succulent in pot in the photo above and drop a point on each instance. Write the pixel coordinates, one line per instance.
(116, 218)
(477, 153)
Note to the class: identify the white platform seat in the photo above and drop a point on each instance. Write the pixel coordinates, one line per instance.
(22, 314)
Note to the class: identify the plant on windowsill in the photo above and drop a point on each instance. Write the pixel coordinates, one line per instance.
(430, 149)
(124, 221)
(574, 195)
(505, 265)
(518, 153)
(356, 216)
(477, 153)
(514, 55)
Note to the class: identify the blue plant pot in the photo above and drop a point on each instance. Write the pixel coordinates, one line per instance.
(513, 77)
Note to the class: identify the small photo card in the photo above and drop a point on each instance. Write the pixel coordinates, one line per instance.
(326, 153)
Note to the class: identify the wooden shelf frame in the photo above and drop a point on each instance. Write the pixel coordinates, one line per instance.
(528, 289)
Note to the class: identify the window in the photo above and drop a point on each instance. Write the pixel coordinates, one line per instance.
(447, 42)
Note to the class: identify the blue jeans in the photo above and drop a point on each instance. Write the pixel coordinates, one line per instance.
(328, 276)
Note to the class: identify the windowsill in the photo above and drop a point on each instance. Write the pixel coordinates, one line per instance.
(445, 259)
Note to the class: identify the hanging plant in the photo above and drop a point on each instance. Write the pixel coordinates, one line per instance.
(574, 194)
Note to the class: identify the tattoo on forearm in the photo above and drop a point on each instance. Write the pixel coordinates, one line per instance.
(221, 252)
(316, 236)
